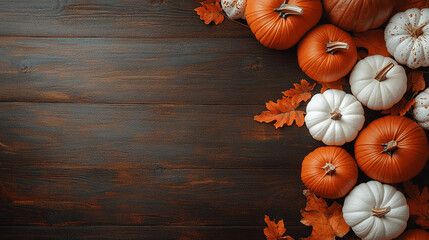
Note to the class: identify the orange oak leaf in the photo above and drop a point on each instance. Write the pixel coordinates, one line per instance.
(283, 112)
(415, 82)
(327, 222)
(334, 85)
(418, 203)
(403, 5)
(373, 41)
(210, 12)
(301, 92)
(275, 231)
(400, 108)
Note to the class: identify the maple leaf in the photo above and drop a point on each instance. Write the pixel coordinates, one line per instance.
(400, 108)
(373, 41)
(302, 92)
(415, 81)
(327, 222)
(209, 12)
(334, 85)
(418, 203)
(275, 231)
(283, 112)
(403, 5)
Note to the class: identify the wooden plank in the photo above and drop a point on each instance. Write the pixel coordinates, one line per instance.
(191, 71)
(146, 136)
(110, 18)
(133, 196)
(142, 233)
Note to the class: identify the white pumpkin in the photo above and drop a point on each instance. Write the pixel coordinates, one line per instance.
(378, 82)
(421, 109)
(407, 37)
(376, 211)
(235, 8)
(334, 117)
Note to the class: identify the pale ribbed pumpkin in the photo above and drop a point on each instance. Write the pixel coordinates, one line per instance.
(376, 211)
(234, 8)
(421, 109)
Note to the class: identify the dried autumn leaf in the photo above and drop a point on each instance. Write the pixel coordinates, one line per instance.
(373, 41)
(334, 85)
(327, 222)
(302, 92)
(400, 108)
(418, 203)
(210, 12)
(415, 82)
(403, 5)
(283, 112)
(275, 231)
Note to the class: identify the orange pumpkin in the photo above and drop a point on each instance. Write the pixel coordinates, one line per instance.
(358, 15)
(330, 172)
(392, 149)
(279, 25)
(327, 53)
(415, 234)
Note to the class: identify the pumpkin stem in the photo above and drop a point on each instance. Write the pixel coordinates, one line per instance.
(287, 9)
(329, 169)
(417, 31)
(389, 147)
(380, 212)
(381, 75)
(332, 47)
(336, 114)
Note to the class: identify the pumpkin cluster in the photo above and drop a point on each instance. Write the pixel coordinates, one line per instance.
(390, 149)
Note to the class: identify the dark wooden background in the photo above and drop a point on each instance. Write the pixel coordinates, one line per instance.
(126, 119)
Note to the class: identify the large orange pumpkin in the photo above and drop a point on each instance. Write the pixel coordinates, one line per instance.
(279, 25)
(392, 149)
(330, 172)
(358, 15)
(327, 53)
(415, 234)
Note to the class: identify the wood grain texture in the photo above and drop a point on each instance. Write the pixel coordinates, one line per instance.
(110, 18)
(142, 233)
(190, 71)
(146, 136)
(133, 196)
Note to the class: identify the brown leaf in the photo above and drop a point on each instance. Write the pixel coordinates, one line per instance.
(327, 222)
(283, 112)
(275, 231)
(400, 108)
(210, 12)
(301, 92)
(402, 5)
(415, 82)
(418, 203)
(373, 41)
(334, 85)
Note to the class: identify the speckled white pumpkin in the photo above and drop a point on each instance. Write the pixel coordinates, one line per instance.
(334, 117)
(376, 211)
(235, 8)
(378, 82)
(407, 37)
(421, 109)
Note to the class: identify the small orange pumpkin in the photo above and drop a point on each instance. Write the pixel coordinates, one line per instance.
(358, 15)
(280, 25)
(329, 172)
(415, 234)
(392, 149)
(327, 53)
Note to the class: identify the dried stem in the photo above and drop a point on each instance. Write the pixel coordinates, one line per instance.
(332, 47)
(286, 9)
(381, 75)
(380, 212)
(336, 114)
(390, 147)
(329, 168)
